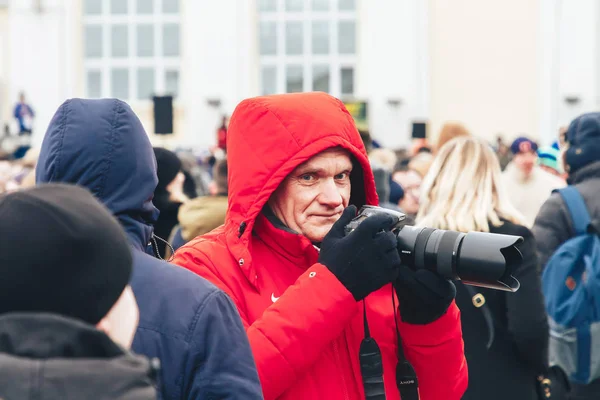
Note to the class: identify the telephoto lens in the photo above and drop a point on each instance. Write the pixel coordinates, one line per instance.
(476, 258)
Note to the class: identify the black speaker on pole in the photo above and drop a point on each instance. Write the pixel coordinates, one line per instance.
(163, 115)
(419, 130)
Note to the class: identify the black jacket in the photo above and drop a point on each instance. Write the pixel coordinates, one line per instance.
(553, 227)
(520, 348)
(46, 356)
(553, 224)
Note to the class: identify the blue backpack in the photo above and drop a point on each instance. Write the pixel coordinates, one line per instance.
(571, 285)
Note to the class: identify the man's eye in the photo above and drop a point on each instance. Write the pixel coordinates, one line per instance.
(306, 177)
(341, 176)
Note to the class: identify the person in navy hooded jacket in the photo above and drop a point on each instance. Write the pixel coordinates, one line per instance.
(185, 321)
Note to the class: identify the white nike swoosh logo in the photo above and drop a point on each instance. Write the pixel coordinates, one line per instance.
(273, 298)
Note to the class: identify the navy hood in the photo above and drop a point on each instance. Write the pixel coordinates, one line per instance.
(101, 145)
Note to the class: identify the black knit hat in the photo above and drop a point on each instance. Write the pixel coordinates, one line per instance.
(61, 252)
(168, 166)
(584, 141)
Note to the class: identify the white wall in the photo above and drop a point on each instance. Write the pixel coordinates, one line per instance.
(393, 66)
(578, 53)
(4, 67)
(484, 66)
(219, 61)
(41, 56)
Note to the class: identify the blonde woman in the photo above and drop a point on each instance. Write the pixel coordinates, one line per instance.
(463, 192)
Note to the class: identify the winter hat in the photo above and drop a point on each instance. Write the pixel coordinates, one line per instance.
(583, 137)
(523, 145)
(548, 156)
(396, 191)
(61, 252)
(168, 166)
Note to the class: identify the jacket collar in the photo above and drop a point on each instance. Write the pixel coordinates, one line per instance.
(589, 171)
(292, 246)
(42, 336)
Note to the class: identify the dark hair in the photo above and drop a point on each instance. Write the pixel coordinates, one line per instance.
(402, 165)
(220, 176)
(365, 136)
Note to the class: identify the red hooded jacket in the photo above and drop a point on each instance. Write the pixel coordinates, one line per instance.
(304, 327)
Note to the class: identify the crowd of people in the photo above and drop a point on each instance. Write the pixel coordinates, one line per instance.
(137, 272)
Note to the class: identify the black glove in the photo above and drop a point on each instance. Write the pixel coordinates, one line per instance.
(367, 258)
(424, 296)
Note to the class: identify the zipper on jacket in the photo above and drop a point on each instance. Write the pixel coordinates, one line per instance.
(338, 360)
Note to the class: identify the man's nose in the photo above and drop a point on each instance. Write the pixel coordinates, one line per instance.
(330, 194)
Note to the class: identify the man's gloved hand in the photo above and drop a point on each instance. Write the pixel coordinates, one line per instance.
(367, 258)
(424, 296)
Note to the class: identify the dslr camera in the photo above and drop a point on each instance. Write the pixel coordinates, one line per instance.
(476, 258)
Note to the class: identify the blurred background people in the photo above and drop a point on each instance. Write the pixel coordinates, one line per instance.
(449, 131)
(549, 160)
(503, 152)
(408, 196)
(67, 317)
(464, 192)
(203, 214)
(24, 115)
(528, 184)
(168, 196)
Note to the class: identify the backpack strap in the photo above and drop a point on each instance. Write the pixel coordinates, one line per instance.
(577, 208)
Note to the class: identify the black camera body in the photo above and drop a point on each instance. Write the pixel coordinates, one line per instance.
(476, 258)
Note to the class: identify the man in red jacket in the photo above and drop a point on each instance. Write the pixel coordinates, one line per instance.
(297, 172)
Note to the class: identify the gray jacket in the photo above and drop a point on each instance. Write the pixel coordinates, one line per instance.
(553, 224)
(45, 356)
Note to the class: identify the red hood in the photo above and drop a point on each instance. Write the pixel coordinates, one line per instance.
(270, 136)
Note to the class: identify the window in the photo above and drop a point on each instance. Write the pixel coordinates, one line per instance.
(119, 41)
(320, 78)
(172, 82)
(269, 80)
(145, 83)
(320, 5)
(294, 39)
(170, 40)
(92, 7)
(294, 5)
(347, 77)
(131, 48)
(307, 45)
(94, 84)
(320, 37)
(347, 5)
(118, 7)
(294, 79)
(145, 6)
(347, 37)
(267, 5)
(145, 40)
(268, 37)
(170, 6)
(93, 41)
(119, 83)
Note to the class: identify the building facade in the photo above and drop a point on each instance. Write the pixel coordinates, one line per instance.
(513, 68)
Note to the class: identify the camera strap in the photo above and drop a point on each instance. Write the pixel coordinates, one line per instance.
(371, 364)
(406, 377)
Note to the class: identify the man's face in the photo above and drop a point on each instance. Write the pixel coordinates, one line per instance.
(313, 196)
(525, 161)
(411, 183)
